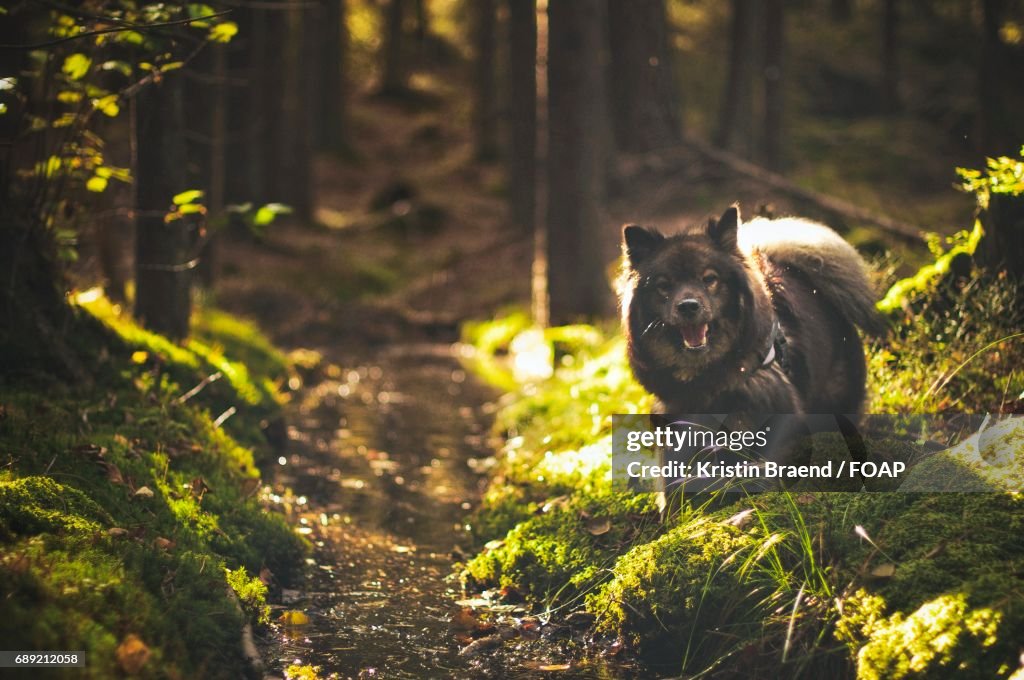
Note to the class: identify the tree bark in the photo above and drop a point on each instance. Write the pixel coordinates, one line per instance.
(841, 10)
(991, 107)
(163, 249)
(522, 99)
(1002, 247)
(577, 159)
(736, 111)
(774, 46)
(644, 101)
(393, 81)
(890, 56)
(297, 121)
(485, 127)
(334, 98)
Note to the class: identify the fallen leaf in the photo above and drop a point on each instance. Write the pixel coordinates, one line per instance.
(294, 618)
(266, 576)
(598, 526)
(464, 619)
(161, 543)
(144, 492)
(481, 645)
(132, 654)
(884, 570)
(117, 532)
(113, 473)
(554, 667)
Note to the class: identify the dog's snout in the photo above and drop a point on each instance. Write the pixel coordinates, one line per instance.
(688, 307)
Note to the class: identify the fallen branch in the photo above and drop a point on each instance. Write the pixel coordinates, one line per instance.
(898, 228)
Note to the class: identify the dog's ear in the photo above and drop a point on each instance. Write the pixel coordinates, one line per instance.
(639, 242)
(723, 230)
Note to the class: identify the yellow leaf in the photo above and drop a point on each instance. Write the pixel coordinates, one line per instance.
(140, 357)
(76, 66)
(223, 32)
(108, 105)
(97, 184)
(294, 618)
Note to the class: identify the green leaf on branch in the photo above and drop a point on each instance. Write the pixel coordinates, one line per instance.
(269, 212)
(108, 105)
(96, 184)
(76, 66)
(187, 196)
(223, 32)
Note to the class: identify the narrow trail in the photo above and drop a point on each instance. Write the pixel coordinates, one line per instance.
(378, 466)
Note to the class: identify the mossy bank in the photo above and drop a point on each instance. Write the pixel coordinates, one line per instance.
(796, 584)
(125, 500)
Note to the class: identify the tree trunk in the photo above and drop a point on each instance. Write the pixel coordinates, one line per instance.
(522, 102)
(577, 159)
(736, 115)
(644, 101)
(890, 56)
(393, 81)
(334, 98)
(774, 46)
(993, 115)
(1002, 247)
(841, 10)
(296, 135)
(217, 165)
(485, 127)
(163, 249)
(262, 111)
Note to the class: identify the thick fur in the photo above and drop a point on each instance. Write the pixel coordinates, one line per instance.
(699, 308)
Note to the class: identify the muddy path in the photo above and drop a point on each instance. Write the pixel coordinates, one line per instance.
(379, 464)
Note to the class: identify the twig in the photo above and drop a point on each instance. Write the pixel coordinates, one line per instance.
(115, 29)
(224, 416)
(199, 388)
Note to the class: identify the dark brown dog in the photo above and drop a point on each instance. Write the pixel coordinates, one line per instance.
(754, 318)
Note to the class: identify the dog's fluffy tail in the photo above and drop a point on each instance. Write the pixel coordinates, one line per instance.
(831, 264)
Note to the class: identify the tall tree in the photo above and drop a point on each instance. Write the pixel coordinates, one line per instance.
(736, 114)
(890, 55)
(644, 101)
(164, 256)
(333, 87)
(522, 103)
(485, 128)
(393, 80)
(577, 158)
(993, 119)
(298, 117)
(774, 44)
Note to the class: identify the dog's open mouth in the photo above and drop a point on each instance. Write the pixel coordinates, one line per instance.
(695, 336)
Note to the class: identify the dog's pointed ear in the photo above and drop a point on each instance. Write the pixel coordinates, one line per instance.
(723, 230)
(639, 242)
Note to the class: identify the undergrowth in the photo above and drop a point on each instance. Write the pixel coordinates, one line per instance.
(877, 585)
(123, 502)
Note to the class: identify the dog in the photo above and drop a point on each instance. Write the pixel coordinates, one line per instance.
(759, 317)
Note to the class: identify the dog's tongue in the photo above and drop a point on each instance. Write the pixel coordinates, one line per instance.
(694, 335)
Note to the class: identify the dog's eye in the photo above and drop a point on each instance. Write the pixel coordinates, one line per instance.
(710, 279)
(663, 286)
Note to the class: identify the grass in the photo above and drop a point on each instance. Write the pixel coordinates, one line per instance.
(122, 503)
(803, 584)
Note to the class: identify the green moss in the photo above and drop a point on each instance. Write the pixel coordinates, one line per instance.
(251, 592)
(122, 505)
(763, 584)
